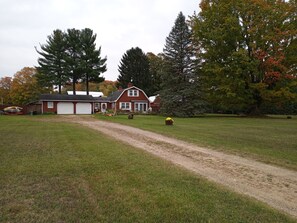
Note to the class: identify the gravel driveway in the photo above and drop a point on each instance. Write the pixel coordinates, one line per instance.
(273, 185)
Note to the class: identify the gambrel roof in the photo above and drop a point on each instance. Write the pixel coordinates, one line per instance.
(114, 96)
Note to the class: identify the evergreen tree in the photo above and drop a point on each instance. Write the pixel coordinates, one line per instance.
(51, 70)
(156, 63)
(180, 92)
(70, 57)
(134, 68)
(92, 64)
(74, 65)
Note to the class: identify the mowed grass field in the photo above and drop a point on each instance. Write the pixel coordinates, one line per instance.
(59, 172)
(271, 140)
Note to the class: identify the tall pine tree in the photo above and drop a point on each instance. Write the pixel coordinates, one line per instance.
(92, 64)
(73, 60)
(70, 57)
(51, 70)
(134, 68)
(180, 92)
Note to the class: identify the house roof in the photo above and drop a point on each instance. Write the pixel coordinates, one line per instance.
(152, 98)
(114, 96)
(65, 97)
(102, 99)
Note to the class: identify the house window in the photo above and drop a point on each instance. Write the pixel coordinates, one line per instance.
(133, 93)
(140, 107)
(50, 104)
(125, 105)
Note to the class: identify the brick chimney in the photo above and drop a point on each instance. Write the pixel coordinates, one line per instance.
(130, 84)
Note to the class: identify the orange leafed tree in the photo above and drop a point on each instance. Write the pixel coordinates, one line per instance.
(5, 86)
(25, 88)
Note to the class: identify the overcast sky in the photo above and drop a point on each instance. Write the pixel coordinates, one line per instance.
(119, 25)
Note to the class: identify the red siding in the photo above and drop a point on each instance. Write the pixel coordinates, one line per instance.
(156, 104)
(45, 109)
(125, 98)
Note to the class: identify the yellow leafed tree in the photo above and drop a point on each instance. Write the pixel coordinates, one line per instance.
(5, 85)
(25, 88)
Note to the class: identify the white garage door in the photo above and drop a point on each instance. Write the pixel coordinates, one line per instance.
(83, 108)
(65, 108)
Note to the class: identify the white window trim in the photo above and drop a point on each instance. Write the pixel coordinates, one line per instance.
(127, 109)
(136, 104)
(133, 93)
(50, 104)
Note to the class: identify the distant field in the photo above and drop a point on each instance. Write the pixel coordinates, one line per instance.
(58, 172)
(271, 140)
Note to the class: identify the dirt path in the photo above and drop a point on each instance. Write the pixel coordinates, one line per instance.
(275, 186)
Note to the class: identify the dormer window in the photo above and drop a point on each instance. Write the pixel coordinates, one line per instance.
(133, 93)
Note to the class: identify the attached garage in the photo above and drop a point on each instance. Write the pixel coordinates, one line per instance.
(67, 104)
(65, 108)
(83, 108)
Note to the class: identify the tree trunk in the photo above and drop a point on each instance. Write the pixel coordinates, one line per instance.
(60, 88)
(87, 84)
(73, 87)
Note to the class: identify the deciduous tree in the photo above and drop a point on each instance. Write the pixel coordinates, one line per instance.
(107, 87)
(5, 87)
(25, 88)
(244, 52)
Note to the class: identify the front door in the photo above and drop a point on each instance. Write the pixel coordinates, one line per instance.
(103, 107)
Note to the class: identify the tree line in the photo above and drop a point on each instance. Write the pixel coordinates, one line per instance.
(24, 88)
(233, 56)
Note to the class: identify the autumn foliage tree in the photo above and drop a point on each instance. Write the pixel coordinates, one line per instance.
(107, 87)
(5, 87)
(24, 87)
(244, 52)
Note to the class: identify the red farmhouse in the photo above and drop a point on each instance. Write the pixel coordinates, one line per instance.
(131, 99)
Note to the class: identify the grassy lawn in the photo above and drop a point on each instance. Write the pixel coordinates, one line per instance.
(271, 140)
(56, 172)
